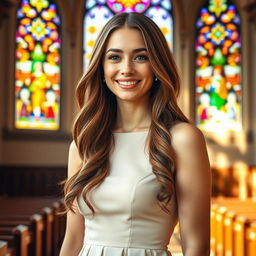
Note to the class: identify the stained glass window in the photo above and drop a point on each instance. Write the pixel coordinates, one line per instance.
(98, 12)
(218, 67)
(37, 84)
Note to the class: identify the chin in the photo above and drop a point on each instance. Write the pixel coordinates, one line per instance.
(126, 98)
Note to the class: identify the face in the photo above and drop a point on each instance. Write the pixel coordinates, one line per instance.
(127, 70)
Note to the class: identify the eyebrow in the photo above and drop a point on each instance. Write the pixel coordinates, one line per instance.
(119, 50)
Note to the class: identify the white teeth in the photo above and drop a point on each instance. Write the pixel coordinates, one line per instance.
(127, 82)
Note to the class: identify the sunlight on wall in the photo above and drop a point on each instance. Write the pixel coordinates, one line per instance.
(222, 159)
(253, 183)
(241, 178)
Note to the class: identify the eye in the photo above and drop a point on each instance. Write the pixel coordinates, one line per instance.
(141, 57)
(114, 57)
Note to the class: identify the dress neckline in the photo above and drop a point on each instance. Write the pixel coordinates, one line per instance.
(133, 132)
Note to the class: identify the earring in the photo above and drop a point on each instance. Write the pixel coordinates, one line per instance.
(156, 79)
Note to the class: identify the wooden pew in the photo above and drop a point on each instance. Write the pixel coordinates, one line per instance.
(45, 225)
(3, 248)
(241, 224)
(219, 235)
(48, 219)
(224, 239)
(228, 232)
(233, 235)
(18, 241)
(56, 234)
(35, 225)
(62, 223)
(213, 229)
(59, 226)
(231, 230)
(250, 239)
(26, 204)
(52, 230)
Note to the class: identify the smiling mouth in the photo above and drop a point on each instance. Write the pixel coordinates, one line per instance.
(127, 83)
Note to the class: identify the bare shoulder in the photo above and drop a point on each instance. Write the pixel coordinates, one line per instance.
(189, 145)
(186, 134)
(74, 159)
(73, 148)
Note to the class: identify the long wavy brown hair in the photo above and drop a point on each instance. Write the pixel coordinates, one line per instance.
(93, 127)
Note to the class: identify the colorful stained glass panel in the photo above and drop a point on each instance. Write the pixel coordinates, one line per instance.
(37, 87)
(98, 12)
(218, 67)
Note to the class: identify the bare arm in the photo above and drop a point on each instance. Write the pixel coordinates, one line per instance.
(193, 189)
(74, 234)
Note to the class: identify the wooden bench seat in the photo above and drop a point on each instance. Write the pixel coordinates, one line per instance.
(4, 249)
(47, 233)
(35, 226)
(250, 239)
(230, 219)
(18, 241)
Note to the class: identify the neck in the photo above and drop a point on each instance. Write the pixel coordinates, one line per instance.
(133, 117)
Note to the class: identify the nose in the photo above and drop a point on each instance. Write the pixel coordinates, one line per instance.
(127, 67)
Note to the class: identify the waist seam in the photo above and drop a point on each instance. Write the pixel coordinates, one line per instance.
(125, 247)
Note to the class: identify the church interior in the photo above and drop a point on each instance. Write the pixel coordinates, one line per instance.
(45, 46)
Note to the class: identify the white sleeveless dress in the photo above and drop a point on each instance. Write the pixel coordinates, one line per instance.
(128, 220)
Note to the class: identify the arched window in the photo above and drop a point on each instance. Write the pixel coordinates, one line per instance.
(218, 67)
(98, 12)
(37, 84)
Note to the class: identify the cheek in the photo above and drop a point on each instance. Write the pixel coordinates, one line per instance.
(109, 71)
(148, 72)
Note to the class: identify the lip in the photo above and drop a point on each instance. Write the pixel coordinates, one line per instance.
(131, 86)
(127, 80)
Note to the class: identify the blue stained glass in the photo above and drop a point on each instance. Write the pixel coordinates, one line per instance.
(90, 3)
(166, 4)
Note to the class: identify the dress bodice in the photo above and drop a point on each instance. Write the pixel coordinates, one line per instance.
(127, 214)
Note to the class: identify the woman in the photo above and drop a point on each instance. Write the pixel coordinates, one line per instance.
(136, 165)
